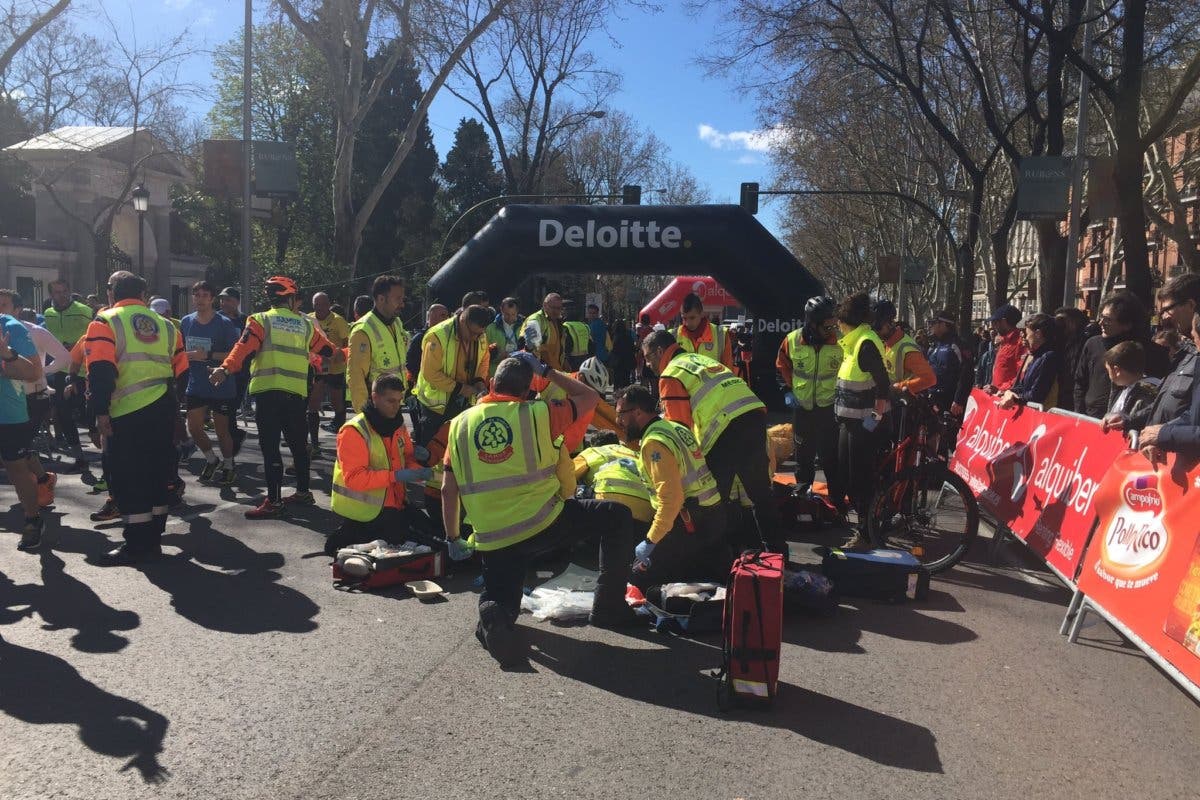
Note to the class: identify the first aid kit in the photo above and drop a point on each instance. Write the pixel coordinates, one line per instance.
(882, 574)
(377, 565)
(752, 627)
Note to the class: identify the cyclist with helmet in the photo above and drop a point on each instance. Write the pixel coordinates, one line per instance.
(809, 359)
(280, 340)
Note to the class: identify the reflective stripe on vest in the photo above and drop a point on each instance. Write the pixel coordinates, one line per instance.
(389, 345)
(282, 361)
(855, 387)
(814, 371)
(717, 395)
(893, 357)
(714, 348)
(351, 503)
(446, 334)
(505, 463)
(698, 482)
(144, 364)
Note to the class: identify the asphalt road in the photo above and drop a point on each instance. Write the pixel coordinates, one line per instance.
(233, 669)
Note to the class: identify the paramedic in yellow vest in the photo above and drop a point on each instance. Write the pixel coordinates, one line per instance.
(68, 320)
(687, 538)
(861, 405)
(698, 335)
(375, 460)
(454, 372)
(728, 420)
(577, 339)
(378, 341)
(134, 357)
(907, 366)
(611, 472)
(808, 360)
(280, 341)
(544, 332)
(329, 380)
(517, 487)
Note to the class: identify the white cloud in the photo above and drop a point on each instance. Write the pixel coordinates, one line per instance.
(748, 158)
(756, 141)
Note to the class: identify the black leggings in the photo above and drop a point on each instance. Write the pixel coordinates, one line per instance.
(281, 413)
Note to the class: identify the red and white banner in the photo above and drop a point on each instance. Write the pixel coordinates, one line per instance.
(1036, 473)
(1143, 563)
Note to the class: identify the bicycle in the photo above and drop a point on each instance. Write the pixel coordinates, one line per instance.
(922, 506)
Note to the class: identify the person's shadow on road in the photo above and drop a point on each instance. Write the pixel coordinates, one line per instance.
(673, 677)
(41, 689)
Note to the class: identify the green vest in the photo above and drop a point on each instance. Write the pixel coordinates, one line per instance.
(579, 336)
(698, 482)
(352, 504)
(717, 395)
(814, 371)
(145, 348)
(389, 346)
(893, 357)
(282, 362)
(596, 457)
(446, 333)
(68, 325)
(856, 388)
(505, 460)
(714, 348)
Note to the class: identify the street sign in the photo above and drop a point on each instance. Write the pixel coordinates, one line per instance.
(915, 269)
(889, 268)
(1101, 188)
(1044, 188)
(223, 167)
(275, 173)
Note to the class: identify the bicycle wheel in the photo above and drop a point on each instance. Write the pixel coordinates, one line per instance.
(928, 511)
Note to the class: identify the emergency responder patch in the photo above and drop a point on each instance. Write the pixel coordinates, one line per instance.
(145, 329)
(493, 440)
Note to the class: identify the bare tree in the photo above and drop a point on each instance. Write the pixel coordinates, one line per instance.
(612, 153)
(19, 24)
(59, 76)
(435, 33)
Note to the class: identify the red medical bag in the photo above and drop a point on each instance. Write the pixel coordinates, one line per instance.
(753, 628)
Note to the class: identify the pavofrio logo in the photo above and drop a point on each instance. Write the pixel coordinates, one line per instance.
(626, 233)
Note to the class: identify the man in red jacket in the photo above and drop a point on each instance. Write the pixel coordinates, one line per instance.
(1011, 351)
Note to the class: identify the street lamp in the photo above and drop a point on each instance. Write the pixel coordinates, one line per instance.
(141, 204)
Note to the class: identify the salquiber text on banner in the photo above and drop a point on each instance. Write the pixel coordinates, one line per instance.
(1036, 473)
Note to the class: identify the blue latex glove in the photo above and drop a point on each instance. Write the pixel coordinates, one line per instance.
(641, 555)
(420, 453)
(789, 400)
(533, 361)
(413, 475)
(458, 549)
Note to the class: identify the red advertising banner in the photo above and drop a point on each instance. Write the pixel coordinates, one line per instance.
(1143, 563)
(1036, 473)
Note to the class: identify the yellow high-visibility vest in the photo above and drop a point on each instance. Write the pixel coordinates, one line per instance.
(698, 482)
(145, 348)
(814, 371)
(282, 361)
(351, 503)
(446, 332)
(855, 387)
(713, 346)
(717, 395)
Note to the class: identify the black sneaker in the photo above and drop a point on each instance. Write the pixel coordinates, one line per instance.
(31, 535)
(616, 618)
(210, 469)
(499, 636)
(225, 477)
(124, 556)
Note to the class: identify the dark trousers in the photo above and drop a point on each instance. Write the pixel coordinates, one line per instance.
(580, 520)
(701, 555)
(815, 433)
(741, 452)
(858, 461)
(140, 455)
(240, 397)
(278, 413)
(65, 409)
(393, 525)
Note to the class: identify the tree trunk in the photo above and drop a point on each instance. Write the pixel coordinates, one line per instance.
(1130, 165)
(1001, 268)
(1053, 260)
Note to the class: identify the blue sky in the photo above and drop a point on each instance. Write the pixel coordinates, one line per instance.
(709, 123)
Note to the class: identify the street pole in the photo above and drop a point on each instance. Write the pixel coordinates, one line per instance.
(902, 289)
(141, 243)
(1081, 125)
(246, 77)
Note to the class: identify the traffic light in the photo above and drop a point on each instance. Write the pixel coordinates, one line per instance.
(631, 195)
(750, 197)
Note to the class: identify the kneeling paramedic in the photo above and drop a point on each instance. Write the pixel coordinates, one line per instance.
(506, 464)
(612, 472)
(686, 540)
(375, 459)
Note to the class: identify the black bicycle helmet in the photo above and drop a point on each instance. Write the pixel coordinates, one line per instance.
(818, 309)
(883, 311)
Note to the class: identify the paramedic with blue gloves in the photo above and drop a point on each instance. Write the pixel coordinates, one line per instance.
(375, 460)
(686, 541)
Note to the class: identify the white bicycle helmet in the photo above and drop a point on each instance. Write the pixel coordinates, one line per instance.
(593, 372)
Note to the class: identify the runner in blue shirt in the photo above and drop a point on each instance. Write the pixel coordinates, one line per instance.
(18, 363)
(208, 337)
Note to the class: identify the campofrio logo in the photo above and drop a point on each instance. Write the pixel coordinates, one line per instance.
(1135, 543)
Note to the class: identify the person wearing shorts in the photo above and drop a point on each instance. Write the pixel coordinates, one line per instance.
(208, 337)
(18, 363)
